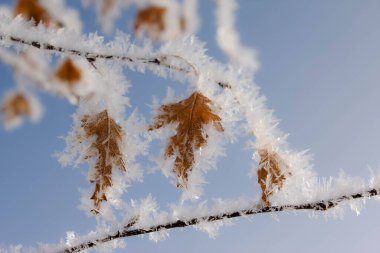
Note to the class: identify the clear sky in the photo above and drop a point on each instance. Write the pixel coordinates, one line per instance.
(320, 70)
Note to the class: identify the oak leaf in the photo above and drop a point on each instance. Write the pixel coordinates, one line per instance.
(191, 114)
(269, 174)
(106, 148)
(182, 23)
(15, 105)
(68, 72)
(32, 9)
(152, 18)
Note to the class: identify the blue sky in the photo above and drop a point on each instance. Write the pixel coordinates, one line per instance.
(320, 63)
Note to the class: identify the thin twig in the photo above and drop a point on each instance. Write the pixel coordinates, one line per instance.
(159, 60)
(321, 205)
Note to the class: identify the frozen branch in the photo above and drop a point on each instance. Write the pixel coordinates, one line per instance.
(167, 61)
(228, 37)
(321, 205)
(159, 60)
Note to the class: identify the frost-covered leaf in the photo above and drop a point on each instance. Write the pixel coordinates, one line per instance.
(16, 105)
(152, 18)
(106, 148)
(191, 114)
(68, 72)
(269, 174)
(69, 76)
(182, 23)
(32, 9)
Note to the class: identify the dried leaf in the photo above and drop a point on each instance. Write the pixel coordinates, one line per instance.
(153, 18)
(269, 174)
(32, 9)
(182, 23)
(191, 114)
(15, 105)
(106, 148)
(68, 72)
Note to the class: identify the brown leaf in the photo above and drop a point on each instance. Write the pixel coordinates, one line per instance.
(151, 17)
(106, 148)
(269, 174)
(68, 72)
(182, 23)
(16, 105)
(32, 9)
(191, 114)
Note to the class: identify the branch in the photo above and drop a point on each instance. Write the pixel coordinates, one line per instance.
(321, 205)
(160, 60)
